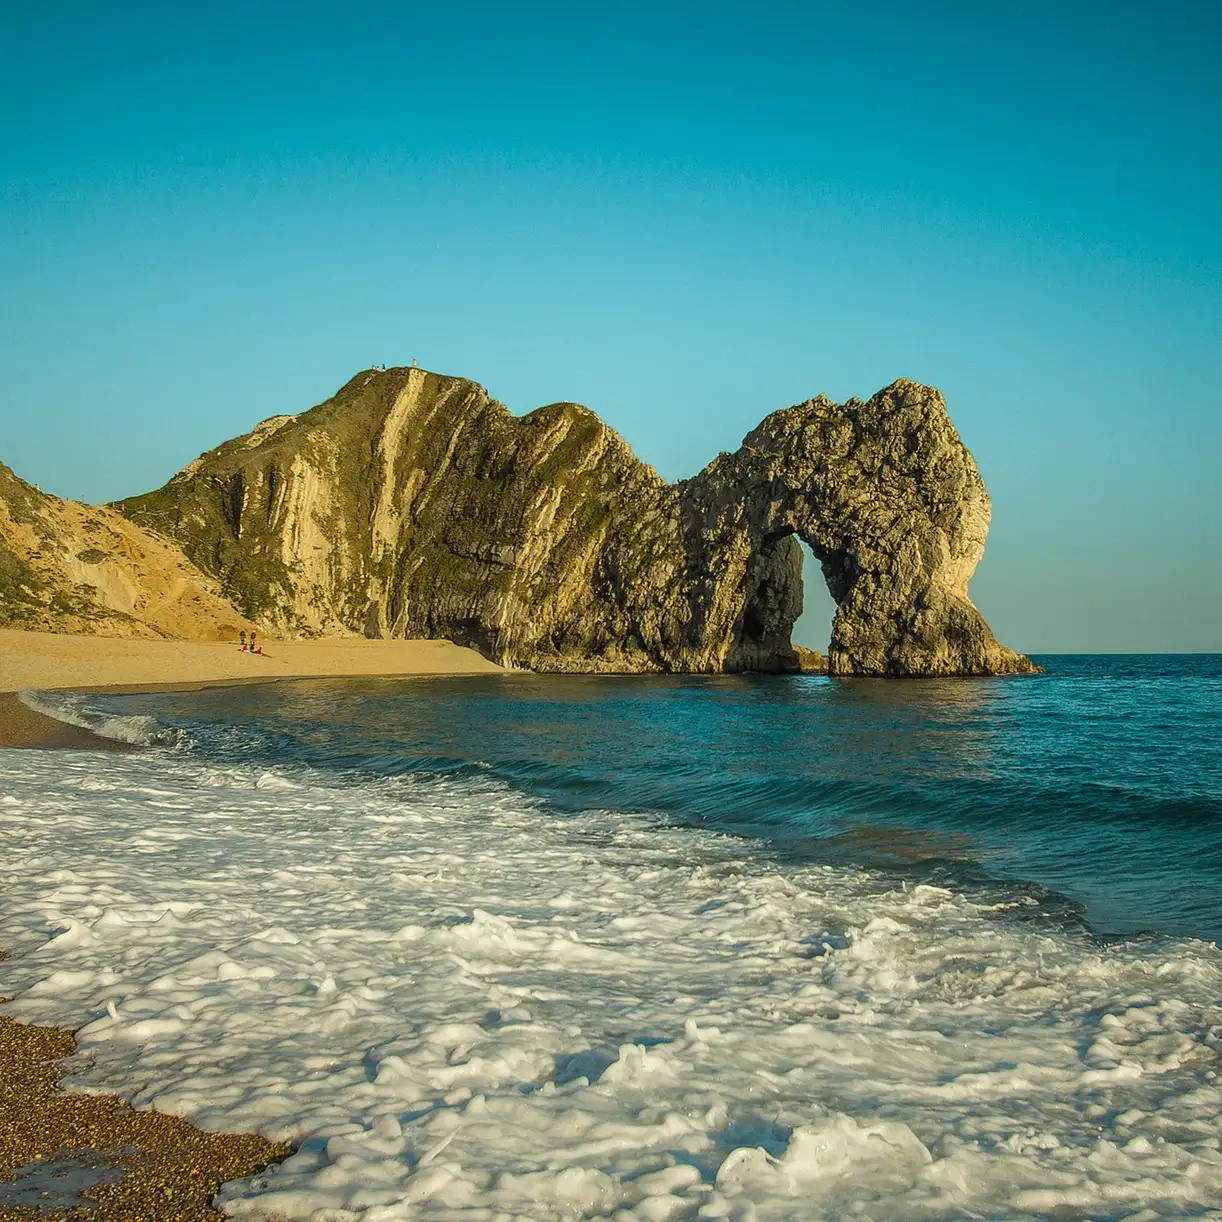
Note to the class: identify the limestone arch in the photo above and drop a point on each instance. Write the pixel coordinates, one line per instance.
(892, 506)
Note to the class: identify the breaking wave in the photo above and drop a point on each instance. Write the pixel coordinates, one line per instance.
(473, 979)
(76, 709)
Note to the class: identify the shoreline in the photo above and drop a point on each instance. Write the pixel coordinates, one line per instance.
(122, 1162)
(22, 726)
(348, 918)
(72, 1152)
(47, 661)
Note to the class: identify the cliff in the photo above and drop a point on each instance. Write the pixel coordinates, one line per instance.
(412, 504)
(67, 567)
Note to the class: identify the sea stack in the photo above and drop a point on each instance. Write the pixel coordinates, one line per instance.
(413, 505)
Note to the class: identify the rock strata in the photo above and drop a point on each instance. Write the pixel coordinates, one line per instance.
(414, 505)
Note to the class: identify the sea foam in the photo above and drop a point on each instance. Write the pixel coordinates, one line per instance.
(463, 1006)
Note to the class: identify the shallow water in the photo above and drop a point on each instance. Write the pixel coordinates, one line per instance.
(1101, 781)
(675, 948)
(56, 1185)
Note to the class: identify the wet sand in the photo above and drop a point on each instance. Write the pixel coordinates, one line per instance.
(91, 1156)
(22, 727)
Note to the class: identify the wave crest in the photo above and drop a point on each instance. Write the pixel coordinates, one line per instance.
(74, 709)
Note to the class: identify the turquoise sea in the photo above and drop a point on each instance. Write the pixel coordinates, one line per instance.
(636, 949)
(1096, 788)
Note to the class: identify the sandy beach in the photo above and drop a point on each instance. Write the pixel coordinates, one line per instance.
(50, 660)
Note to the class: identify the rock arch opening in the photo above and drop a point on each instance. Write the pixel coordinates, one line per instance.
(813, 627)
(787, 604)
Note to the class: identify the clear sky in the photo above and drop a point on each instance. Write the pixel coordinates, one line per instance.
(682, 215)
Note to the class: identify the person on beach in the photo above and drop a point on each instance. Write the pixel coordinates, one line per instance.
(242, 639)
(252, 642)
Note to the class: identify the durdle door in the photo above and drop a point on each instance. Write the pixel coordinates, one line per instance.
(412, 504)
(892, 505)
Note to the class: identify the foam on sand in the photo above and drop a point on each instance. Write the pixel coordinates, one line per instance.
(465, 1007)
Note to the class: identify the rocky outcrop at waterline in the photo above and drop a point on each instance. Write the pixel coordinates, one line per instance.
(413, 505)
(892, 505)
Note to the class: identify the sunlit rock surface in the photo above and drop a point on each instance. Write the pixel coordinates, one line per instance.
(68, 567)
(412, 504)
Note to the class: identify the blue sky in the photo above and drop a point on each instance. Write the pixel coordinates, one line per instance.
(685, 216)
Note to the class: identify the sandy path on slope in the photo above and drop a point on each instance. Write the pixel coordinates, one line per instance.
(54, 660)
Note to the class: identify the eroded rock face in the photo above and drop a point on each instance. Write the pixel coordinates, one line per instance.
(891, 503)
(412, 504)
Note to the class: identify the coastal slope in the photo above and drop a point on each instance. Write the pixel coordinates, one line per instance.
(68, 567)
(412, 504)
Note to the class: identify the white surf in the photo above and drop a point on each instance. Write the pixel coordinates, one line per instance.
(462, 1006)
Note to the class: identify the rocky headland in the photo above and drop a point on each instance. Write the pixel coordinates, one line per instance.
(413, 505)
